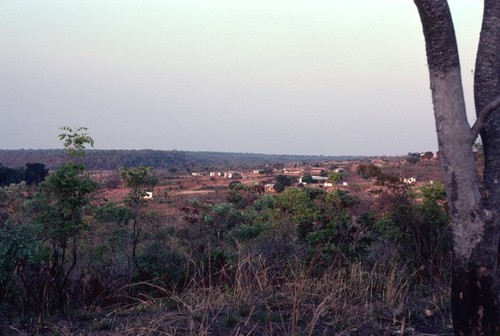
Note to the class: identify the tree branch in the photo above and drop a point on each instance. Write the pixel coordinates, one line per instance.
(483, 116)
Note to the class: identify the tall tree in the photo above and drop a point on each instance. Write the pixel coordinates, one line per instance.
(474, 207)
(63, 197)
(139, 180)
(35, 173)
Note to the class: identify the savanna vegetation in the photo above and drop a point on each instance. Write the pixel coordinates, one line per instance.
(181, 161)
(302, 261)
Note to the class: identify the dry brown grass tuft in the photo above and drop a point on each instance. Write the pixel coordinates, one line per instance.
(259, 302)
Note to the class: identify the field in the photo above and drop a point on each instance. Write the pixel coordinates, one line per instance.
(211, 255)
(174, 190)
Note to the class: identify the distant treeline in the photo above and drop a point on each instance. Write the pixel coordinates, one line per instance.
(31, 173)
(162, 159)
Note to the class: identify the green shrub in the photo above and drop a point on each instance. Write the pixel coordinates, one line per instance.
(247, 232)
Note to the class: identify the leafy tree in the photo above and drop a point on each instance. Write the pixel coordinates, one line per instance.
(278, 187)
(328, 228)
(296, 206)
(12, 199)
(413, 158)
(282, 181)
(62, 199)
(75, 140)
(220, 218)
(35, 173)
(242, 195)
(236, 185)
(139, 179)
(267, 201)
(428, 155)
(434, 192)
(433, 231)
(339, 200)
(65, 194)
(419, 230)
(307, 178)
(368, 171)
(334, 177)
(20, 249)
(473, 207)
(10, 175)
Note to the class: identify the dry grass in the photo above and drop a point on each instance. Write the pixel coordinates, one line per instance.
(351, 300)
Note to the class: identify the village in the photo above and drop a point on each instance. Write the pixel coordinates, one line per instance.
(258, 243)
(174, 188)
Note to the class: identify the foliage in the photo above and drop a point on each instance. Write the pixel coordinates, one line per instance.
(419, 230)
(434, 192)
(139, 180)
(35, 173)
(266, 171)
(242, 196)
(338, 200)
(21, 252)
(219, 219)
(295, 257)
(60, 212)
(113, 159)
(63, 198)
(295, 206)
(10, 175)
(236, 185)
(338, 237)
(12, 203)
(112, 213)
(159, 258)
(246, 232)
(282, 181)
(428, 155)
(334, 177)
(65, 194)
(307, 178)
(368, 171)
(282, 233)
(264, 205)
(75, 140)
(413, 158)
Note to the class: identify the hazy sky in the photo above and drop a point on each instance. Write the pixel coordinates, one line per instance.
(323, 77)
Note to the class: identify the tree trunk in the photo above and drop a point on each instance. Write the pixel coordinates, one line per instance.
(487, 89)
(473, 275)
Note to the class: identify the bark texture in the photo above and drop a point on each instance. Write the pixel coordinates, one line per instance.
(474, 304)
(486, 90)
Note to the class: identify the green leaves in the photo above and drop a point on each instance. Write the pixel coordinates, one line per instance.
(138, 177)
(334, 177)
(19, 245)
(66, 192)
(139, 180)
(75, 140)
(434, 192)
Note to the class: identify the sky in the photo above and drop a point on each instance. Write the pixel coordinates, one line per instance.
(311, 77)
